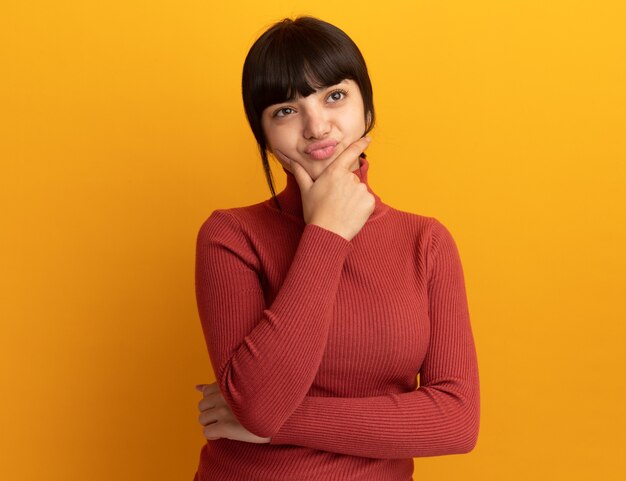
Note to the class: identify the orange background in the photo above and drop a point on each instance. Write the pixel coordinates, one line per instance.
(122, 128)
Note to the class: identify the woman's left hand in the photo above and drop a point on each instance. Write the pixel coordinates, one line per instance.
(218, 420)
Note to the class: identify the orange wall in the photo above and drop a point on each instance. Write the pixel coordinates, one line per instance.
(122, 129)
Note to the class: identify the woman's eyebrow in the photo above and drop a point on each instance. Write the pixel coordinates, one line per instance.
(321, 88)
(326, 87)
(344, 81)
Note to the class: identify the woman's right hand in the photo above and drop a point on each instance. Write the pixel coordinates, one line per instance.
(337, 200)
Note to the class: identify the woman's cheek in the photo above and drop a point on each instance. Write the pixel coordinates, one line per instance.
(280, 157)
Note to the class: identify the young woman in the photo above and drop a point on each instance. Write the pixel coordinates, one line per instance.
(322, 304)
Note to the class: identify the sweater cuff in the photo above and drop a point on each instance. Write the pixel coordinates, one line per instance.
(325, 240)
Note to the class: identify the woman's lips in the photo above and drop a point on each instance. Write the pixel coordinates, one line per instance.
(324, 153)
(322, 150)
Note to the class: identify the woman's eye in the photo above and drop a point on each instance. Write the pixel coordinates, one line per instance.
(337, 95)
(283, 112)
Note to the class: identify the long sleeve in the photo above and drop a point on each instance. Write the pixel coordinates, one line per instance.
(440, 417)
(263, 368)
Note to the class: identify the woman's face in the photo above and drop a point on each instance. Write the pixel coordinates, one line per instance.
(315, 130)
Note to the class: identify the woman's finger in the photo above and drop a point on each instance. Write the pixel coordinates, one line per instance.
(210, 389)
(217, 414)
(348, 156)
(212, 432)
(208, 417)
(211, 400)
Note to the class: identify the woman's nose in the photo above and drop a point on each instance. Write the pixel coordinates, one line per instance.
(316, 124)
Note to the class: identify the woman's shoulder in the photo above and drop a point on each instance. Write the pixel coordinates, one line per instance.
(241, 213)
(413, 219)
(420, 225)
(242, 220)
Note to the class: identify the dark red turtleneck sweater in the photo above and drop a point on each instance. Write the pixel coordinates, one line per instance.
(316, 342)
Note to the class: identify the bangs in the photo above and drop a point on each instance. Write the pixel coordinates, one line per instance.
(295, 65)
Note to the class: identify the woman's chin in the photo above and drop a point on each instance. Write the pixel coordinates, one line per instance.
(312, 167)
(316, 168)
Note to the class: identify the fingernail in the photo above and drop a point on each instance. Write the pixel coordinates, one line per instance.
(368, 138)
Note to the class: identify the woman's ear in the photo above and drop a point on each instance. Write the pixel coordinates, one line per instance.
(368, 120)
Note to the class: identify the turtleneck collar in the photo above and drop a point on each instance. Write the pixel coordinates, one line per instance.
(291, 200)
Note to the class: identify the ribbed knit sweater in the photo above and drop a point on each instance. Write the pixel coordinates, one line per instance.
(316, 342)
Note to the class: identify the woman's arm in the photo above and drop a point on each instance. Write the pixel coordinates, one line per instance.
(441, 417)
(262, 367)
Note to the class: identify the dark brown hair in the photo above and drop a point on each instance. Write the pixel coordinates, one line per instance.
(296, 57)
